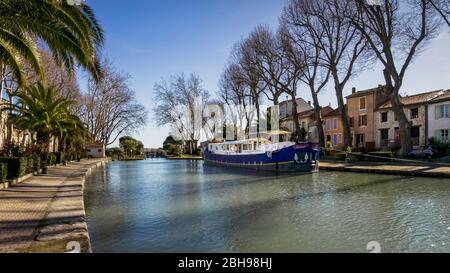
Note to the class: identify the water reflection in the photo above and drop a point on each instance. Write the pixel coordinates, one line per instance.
(180, 206)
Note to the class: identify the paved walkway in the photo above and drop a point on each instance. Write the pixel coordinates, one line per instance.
(44, 213)
(425, 170)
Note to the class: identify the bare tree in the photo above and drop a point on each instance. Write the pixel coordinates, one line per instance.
(280, 75)
(343, 48)
(235, 95)
(443, 8)
(246, 58)
(109, 106)
(57, 76)
(397, 33)
(181, 103)
(304, 53)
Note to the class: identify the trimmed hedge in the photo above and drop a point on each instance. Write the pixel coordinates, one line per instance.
(30, 165)
(37, 163)
(3, 172)
(17, 166)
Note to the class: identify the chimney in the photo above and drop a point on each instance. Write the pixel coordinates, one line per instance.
(353, 90)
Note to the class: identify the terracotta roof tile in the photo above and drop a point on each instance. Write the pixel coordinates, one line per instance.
(416, 99)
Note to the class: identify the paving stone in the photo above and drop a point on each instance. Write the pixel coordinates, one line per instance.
(46, 209)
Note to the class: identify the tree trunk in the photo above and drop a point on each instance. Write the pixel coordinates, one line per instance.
(404, 125)
(397, 106)
(9, 136)
(344, 117)
(258, 117)
(298, 130)
(318, 114)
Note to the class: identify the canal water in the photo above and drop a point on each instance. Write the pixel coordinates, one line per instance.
(181, 206)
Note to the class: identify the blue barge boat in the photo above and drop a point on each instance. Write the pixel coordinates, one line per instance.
(261, 154)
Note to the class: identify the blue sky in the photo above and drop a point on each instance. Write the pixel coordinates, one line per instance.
(153, 39)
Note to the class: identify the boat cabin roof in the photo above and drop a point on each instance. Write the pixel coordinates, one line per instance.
(245, 141)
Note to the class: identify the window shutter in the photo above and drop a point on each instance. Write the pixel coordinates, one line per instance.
(438, 112)
(437, 135)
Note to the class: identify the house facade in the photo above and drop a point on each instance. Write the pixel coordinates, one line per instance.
(438, 118)
(334, 130)
(361, 111)
(286, 107)
(416, 109)
(307, 120)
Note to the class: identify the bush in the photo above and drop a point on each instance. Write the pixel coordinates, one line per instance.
(30, 165)
(3, 172)
(442, 148)
(37, 164)
(17, 166)
(198, 152)
(51, 159)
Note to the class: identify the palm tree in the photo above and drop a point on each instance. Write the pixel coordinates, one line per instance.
(40, 111)
(71, 32)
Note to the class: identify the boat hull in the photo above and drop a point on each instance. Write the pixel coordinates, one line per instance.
(301, 157)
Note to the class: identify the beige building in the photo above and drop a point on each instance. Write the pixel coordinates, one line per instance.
(416, 110)
(96, 150)
(286, 107)
(361, 111)
(334, 130)
(307, 120)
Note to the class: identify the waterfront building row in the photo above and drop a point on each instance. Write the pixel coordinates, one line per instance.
(373, 122)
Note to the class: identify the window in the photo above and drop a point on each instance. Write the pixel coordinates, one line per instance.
(360, 139)
(414, 113)
(328, 138)
(328, 125)
(335, 124)
(362, 103)
(444, 135)
(88, 150)
(352, 121)
(335, 140)
(384, 133)
(99, 150)
(415, 136)
(442, 111)
(384, 117)
(362, 120)
(415, 132)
